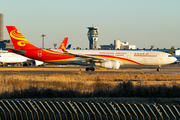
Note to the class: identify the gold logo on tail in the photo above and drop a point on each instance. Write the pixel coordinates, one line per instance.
(21, 43)
(15, 34)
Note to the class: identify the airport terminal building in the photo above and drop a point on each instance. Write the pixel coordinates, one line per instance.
(118, 45)
(5, 44)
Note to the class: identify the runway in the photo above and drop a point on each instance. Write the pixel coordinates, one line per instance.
(70, 69)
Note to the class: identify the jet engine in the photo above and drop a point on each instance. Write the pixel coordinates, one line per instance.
(111, 64)
(38, 63)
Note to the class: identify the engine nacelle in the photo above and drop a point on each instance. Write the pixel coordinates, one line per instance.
(38, 63)
(111, 64)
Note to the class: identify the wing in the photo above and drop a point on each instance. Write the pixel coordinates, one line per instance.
(89, 58)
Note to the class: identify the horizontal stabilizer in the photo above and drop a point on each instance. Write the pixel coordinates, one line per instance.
(22, 52)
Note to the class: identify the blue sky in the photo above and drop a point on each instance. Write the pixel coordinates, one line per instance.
(140, 22)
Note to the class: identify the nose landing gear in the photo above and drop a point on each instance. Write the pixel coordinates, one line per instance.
(159, 68)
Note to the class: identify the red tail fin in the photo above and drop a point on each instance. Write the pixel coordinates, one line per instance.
(18, 40)
(64, 43)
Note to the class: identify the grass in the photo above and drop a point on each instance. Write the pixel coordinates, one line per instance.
(79, 84)
(125, 89)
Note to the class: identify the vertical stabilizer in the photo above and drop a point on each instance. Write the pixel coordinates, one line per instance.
(172, 50)
(64, 43)
(18, 40)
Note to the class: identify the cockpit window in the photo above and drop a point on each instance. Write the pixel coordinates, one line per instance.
(169, 55)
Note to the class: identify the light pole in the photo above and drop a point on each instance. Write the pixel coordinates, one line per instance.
(55, 44)
(43, 40)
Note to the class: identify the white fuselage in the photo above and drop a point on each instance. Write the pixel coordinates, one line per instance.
(127, 57)
(12, 58)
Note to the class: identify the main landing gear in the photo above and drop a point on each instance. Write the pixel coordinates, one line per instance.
(88, 69)
(91, 67)
(159, 68)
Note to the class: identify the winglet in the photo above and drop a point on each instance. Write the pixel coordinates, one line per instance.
(172, 50)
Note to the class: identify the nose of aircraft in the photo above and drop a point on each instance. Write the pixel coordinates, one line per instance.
(174, 59)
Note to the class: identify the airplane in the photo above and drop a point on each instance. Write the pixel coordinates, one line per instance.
(103, 58)
(12, 59)
(64, 43)
(68, 47)
(176, 55)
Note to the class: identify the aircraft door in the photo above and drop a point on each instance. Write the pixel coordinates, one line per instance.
(160, 56)
(129, 55)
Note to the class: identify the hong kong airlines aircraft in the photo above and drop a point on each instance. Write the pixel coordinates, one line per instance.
(103, 58)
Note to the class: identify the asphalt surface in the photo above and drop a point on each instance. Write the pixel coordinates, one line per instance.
(62, 69)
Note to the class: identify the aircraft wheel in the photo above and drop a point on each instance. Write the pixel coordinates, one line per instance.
(87, 69)
(25, 64)
(159, 68)
(92, 69)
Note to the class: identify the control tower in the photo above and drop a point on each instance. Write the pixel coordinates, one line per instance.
(1, 27)
(92, 36)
